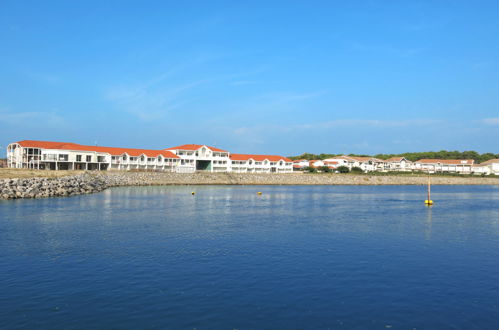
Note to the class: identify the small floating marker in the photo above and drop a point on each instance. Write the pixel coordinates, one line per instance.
(259, 193)
(428, 202)
(193, 193)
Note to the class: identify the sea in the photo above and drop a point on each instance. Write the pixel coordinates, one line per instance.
(226, 257)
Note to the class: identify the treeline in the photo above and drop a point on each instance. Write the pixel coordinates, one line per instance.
(413, 156)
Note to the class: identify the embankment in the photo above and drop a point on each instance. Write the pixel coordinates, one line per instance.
(92, 182)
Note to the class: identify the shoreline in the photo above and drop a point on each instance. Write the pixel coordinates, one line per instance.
(92, 182)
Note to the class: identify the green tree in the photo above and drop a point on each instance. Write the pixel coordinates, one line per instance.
(324, 169)
(343, 169)
(356, 169)
(309, 169)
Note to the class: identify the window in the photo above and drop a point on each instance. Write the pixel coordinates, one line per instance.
(89, 159)
(78, 158)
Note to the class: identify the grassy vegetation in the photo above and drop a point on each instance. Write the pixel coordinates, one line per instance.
(11, 173)
(413, 156)
(395, 173)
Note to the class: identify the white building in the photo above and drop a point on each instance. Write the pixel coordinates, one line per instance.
(488, 167)
(197, 157)
(316, 163)
(300, 164)
(187, 158)
(260, 164)
(72, 156)
(398, 164)
(367, 164)
(462, 166)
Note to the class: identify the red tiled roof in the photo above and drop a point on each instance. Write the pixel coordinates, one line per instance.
(258, 158)
(110, 150)
(194, 147)
(394, 159)
(447, 161)
(490, 161)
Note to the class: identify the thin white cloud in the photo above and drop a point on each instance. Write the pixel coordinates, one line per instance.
(490, 121)
(376, 123)
(343, 123)
(30, 118)
(151, 100)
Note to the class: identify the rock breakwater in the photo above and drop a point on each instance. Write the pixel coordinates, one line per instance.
(92, 182)
(51, 187)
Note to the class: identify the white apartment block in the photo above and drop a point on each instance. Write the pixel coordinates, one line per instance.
(196, 157)
(367, 164)
(398, 164)
(486, 168)
(462, 166)
(242, 163)
(46, 155)
(187, 158)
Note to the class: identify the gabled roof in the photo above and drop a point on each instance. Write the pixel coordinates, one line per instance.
(395, 159)
(259, 158)
(490, 161)
(359, 158)
(109, 150)
(447, 161)
(195, 147)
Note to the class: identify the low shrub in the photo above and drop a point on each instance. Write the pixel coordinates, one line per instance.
(343, 169)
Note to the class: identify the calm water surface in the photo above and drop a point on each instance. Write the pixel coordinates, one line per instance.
(296, 257)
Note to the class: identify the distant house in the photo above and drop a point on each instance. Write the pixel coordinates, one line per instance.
(3, 163)
(462, 166)
(331, 164)
(367, 164)
(242, 163)
(398, 164)
(300, 164)
(488, 167)
(316, 163)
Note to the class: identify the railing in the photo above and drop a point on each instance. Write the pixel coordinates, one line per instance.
(185, 169)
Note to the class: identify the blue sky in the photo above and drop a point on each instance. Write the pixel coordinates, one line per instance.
(257, 77)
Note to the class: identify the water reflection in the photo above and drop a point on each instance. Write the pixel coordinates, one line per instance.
(429, 222)
(161, 257)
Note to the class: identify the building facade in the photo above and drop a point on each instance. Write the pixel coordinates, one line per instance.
(462, 166)
(188, 158)
(45, 155)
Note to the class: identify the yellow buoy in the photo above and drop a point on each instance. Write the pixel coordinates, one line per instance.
(428, 202)
(259, 193)
(193, 193)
